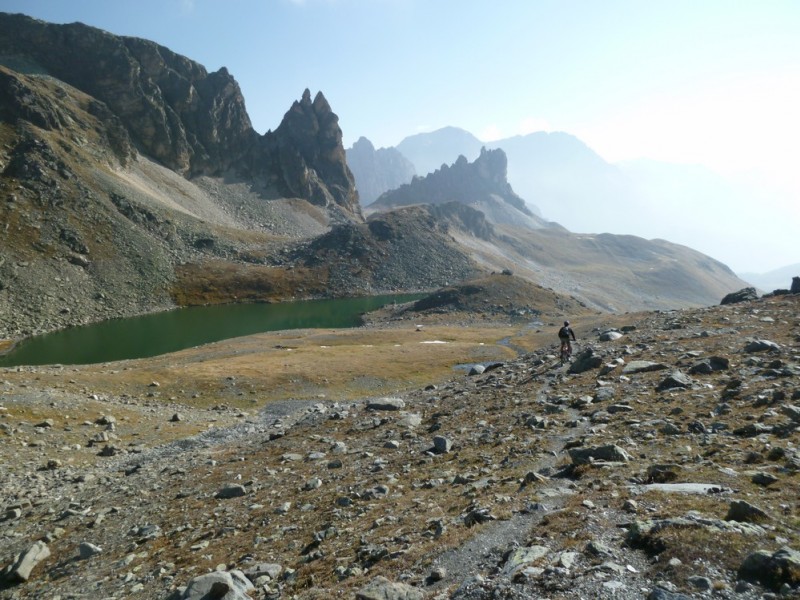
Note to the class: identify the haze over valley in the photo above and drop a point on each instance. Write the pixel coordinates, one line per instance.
(565, 181)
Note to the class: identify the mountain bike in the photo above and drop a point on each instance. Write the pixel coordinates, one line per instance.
(566, 353)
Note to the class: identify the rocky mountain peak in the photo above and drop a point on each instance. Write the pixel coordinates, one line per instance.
(306, 149)
(191, 121)
(463, 181)
(363, 144)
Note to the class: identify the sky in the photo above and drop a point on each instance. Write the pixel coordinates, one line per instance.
(707, 82)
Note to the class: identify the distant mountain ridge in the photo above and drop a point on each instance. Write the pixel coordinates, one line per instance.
(462, 181)
(481, 211)
(377, 171)
(430, 151)
(773, 280)
(565, 181)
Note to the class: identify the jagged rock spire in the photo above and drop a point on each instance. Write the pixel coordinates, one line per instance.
(307, 150)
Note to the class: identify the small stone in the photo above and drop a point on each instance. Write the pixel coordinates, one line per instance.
(386, 404)
(381, 588)
(642, 366)
(339, 448)
(109, 450)
(676, 379)
(442, 445)
(567, 559)
(608, 453)
(231, 491)
(744, 512)
(12, 514)
(700, 583)
(176, 417)
(436, 574)
(270, 570)
(87, 550)
(218, 585)
(524, 557)
(764, 479)
(610, 336)
(596, 548)
(313, 484)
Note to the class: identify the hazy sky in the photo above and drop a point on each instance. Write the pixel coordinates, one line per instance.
(710, 82)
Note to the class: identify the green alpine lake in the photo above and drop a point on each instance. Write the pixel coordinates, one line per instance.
(170, 331)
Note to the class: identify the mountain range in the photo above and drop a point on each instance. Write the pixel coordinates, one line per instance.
(134, 182)
(562, 179)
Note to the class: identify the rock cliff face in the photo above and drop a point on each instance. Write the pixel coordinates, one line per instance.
(377, 171)
(191, 121)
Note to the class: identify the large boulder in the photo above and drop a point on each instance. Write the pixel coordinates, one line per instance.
(772, 569)
(586, 361)
(220, 585)
(20, 571)
(761, 346)
(642, 366)
(607, 453)
(381, 588)
(795, 289)
(743, 295)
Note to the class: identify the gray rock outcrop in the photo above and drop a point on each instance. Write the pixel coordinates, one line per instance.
(743, 295)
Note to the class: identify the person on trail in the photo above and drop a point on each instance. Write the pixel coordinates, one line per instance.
(564, 334)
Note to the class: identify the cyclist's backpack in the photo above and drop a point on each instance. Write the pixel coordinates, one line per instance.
(563, 333)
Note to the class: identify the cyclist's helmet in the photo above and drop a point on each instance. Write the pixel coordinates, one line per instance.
(566, 323)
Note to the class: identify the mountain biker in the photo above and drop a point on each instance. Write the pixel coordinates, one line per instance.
(564, 334)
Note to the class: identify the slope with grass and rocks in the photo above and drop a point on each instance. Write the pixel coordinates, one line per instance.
(662, 463)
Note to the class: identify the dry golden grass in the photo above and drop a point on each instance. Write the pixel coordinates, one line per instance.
(341, 364)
